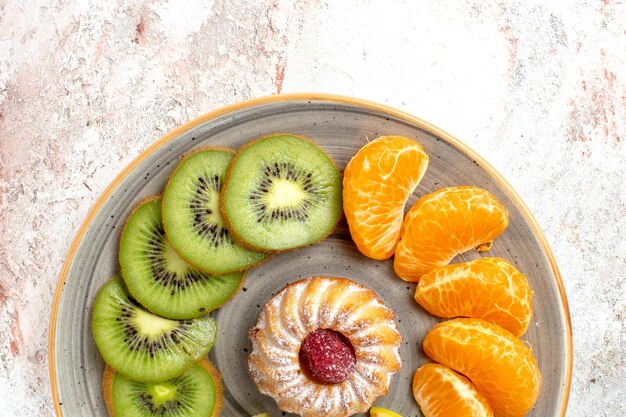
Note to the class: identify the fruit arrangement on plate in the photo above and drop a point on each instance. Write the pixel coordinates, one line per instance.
(322, 346)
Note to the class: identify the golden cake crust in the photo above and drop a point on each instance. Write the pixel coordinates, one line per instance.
(324, 303)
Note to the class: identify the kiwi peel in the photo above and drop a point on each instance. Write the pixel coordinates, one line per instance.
(158, 278)
(191, 215)
(143, 346)
(198, 392)
(181, 256)
(281, 192)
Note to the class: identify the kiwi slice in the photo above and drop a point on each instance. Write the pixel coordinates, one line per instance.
(192, 219)
(144, 346)
(196, 393)
(158, 278)
(281, 192)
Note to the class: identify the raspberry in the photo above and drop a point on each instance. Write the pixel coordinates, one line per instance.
(327, 356)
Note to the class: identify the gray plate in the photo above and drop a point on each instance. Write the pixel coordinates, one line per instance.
(341, 126)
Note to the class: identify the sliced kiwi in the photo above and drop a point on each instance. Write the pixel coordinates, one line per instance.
(196, 393)
(281, 192)
(144, 346)
(158, 278)
(192, 219)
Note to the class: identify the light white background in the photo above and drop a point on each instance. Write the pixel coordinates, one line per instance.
(537, 87)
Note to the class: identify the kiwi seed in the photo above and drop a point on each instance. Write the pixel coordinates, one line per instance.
(159, 278)
(192, 219)
(284, 171)
(281, 192)
(141, 345)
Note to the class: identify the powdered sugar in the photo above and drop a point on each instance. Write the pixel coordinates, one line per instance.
(319, 303)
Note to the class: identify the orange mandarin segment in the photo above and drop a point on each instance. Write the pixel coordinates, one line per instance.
(377, 182)
(500, 365)
(441, 392)
(444, 224)
(487, 288)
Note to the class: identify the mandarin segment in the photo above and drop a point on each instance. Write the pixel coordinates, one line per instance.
(441, 392)
(487, 288)
(377, 182)
(500, 365)
(444, 224)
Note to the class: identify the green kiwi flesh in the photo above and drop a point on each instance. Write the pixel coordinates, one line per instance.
(159, 279)
(141, 345)
(192, 394)
(192, 219)
(281, 192)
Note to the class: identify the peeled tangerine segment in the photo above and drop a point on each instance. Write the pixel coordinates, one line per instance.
(445, 223)
(487, 288)
(377, 182)
(441, 392)
(501, 366)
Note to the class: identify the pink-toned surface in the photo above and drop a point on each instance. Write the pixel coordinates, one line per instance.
(538, 88)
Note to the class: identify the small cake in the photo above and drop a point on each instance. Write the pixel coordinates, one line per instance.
(324, 347)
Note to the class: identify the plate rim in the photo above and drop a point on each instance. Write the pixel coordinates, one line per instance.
(340, 99)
